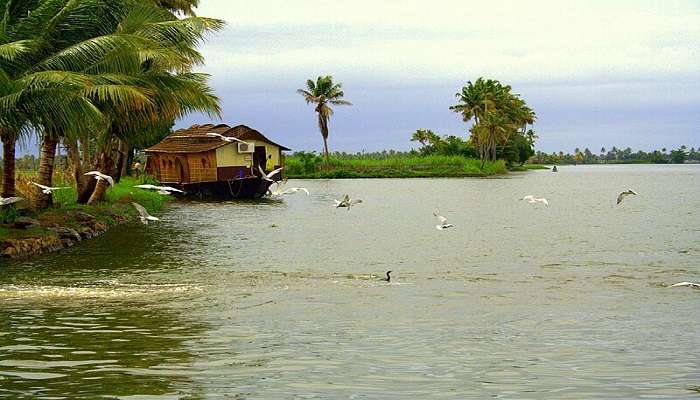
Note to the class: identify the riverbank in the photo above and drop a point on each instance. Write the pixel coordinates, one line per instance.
(310, 166)
(25, 233)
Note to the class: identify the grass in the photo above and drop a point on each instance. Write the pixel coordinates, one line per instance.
(397, 166)
(527, 167)
(116, 206)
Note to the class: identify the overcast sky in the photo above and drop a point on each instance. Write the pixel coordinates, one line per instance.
(597, 73)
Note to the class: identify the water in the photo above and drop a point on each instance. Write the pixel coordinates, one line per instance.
(281, 299)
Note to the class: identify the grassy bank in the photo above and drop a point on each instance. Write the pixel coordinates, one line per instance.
(528, 167)
(308, 166)
(67, 213)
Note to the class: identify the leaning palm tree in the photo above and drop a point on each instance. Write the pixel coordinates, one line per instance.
(322, 93)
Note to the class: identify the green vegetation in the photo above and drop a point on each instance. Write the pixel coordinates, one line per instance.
(101, 77)
(116, 207)
(500, 119)
(389, 165)
(322, 93)
(620, 156)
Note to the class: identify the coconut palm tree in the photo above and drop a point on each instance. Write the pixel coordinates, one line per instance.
(507, 114)
(84, 81)
(171, 94)
(182, 6)
(422, 136)
(323, 93)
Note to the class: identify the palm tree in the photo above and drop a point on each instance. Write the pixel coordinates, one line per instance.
(86, 82)
(472, 100)
(422, 136)
(170, 95)
(322, 93)
(492, 131)
(498, 114)
(183, 6)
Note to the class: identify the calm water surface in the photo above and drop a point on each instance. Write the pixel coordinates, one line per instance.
(281, 299)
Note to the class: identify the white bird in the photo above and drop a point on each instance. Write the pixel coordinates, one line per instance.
(47, 189)
(101, 177)
(532, 200)
(6, 201)
(443, 222)
(268, 177)
(143, 214)
(688, 284)
(347, 202)
(279, 190)
(160, 189)
(225, 138)
(624, 194)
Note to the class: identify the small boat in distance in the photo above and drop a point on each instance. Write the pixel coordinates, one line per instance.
(216, 161)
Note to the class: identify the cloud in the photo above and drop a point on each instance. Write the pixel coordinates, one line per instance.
(597, 72)
(447, 40)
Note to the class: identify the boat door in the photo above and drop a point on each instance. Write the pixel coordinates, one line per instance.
(259, 158)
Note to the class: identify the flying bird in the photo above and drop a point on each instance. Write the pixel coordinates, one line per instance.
(101, 177)
(688, 284)
(532, 200)
(268, 177)
(443, 222)
(6, 201)
(624, 194)
(225, 138)
(160, 189)
(143, 214)
(280, 190)
(347, 202)
(47, 189)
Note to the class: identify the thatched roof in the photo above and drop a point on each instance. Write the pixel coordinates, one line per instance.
(195, 139)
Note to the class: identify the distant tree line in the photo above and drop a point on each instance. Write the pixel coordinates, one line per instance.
(619, 156)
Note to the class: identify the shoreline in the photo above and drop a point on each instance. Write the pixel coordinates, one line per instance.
(426, 171)
(57, 229)
(28, 233)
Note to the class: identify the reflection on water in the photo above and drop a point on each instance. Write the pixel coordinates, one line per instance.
(283, 299)
(88, 350)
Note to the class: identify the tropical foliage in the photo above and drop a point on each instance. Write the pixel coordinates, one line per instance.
(387, 164)
(620, 156)
(498, 117)
(100, 77)
(324, 93)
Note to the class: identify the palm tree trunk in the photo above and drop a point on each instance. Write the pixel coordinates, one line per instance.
(323, 126)
(85, 149)
(9, 140)
(47, 156)
(84, 184)
(106, 163)
(121, 161)
(325, 149)
(99, 192)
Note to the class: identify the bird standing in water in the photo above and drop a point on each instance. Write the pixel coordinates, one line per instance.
(443, 222)
(388, 277)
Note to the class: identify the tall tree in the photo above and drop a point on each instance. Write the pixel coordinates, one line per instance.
(92, 63)
(497, 114)
(323, 93)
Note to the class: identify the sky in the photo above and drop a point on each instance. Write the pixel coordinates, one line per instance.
(597, 73)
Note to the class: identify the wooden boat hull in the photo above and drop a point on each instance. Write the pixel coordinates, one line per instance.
(243, 188)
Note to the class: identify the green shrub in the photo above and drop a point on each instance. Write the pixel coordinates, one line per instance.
(8, 214)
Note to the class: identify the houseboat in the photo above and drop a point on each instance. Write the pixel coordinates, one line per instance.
(216, 161)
